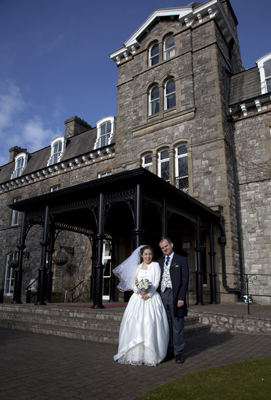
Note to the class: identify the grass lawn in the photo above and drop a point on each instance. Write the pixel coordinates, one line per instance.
(249, 380)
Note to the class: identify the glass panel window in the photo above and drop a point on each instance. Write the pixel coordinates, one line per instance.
(170, 94)
(181, 168)
(154, 100)
(105, 134)
(58, 146)
(147, 162)
(20, 164)
(55, 188)
(106, 260)
(154, 54)
(267, 71)
(163, 165)
(169, 47)
(9, 278)
(15, 214)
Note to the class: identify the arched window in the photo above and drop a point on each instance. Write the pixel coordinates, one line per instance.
(181, 168)
(147, 161)
(163, 164)
(169, 94)
(58, 146)
(154, 100)
(20, 164)
(169, 47)
(154, 54)
(105, 132)
(264, 65)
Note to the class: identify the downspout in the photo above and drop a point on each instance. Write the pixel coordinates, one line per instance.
(235, 181)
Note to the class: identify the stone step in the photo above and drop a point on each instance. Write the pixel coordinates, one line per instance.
(79, 323)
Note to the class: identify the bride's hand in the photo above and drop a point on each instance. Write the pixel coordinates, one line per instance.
(145, 296)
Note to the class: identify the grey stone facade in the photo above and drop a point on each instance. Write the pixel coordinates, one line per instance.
(225, 150)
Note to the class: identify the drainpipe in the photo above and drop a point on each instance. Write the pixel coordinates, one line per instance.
(235, 182)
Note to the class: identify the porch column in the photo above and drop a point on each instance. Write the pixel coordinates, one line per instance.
(19, 270)
(49, 273)
(212, 275)
(138, 217)
(42, 269)
(164, 218)
(98, 269)
(199, 272)
(93, 261)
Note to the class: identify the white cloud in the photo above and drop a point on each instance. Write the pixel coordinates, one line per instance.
(15, 129)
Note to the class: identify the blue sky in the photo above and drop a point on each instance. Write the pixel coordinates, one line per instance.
(54, 60)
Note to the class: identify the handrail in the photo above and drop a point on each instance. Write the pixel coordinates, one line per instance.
(32, 283)
(72, 290)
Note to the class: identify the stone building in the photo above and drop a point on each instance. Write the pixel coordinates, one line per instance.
(187, 156)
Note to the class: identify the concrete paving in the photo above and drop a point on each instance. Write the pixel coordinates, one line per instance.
(45, 367)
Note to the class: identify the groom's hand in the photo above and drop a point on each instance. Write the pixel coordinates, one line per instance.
(180, 303)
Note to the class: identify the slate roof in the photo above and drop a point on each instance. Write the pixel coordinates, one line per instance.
(245, 85)
(76, 145)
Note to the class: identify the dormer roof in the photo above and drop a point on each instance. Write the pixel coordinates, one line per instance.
(188, 16)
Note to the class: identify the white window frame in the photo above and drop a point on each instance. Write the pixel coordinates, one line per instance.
(146, 164)
(15, 214)
(162, 161)
(166, 95)
(55, 188)
(153, 101)
(152, 57)
(260, 63)
(103, 174)
(168, 51)
(109, 135)
(177, 157)
(18, 169)
(9, 276)
(56, 157)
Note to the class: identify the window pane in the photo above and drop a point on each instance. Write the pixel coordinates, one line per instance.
(165, 170)
(148, 159)
(155, 93)
(268, 85)
(170, 42)
(20, 162)
(267, 68)
(164, 154)
(108, 127)
(182, 184)
(171, 101)
(182, 150)
(155, 107)
(155, 60)
(182, 166)
(170, 87)
(155, 50)
(103, 129)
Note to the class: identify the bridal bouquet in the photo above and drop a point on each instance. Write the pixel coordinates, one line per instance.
(144, 285)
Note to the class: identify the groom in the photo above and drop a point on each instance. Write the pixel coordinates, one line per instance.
(173, 287)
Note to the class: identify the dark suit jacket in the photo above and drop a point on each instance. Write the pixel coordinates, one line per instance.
(179, 273)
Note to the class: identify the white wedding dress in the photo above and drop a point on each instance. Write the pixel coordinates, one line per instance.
(144, 331)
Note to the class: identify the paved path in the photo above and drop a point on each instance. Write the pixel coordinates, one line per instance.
(48, 367)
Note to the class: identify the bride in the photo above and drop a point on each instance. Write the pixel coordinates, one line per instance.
(144, 331)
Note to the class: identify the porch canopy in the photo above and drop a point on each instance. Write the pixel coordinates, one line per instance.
(109, 204)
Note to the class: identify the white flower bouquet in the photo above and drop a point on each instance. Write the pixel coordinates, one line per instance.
(144, 285)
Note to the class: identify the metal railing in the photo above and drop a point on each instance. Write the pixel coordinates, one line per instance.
(247, 294)
(28, 291)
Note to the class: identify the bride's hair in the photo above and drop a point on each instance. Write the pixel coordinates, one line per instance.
(145, 248)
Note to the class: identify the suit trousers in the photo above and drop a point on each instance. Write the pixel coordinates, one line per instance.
(176, 324)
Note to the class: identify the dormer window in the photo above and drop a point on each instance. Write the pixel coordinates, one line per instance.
(105, 132)
(20, 164)
(154, 54)
(169, 47)
(58, 146)
(264, 65)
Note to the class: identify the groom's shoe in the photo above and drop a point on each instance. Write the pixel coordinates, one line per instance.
(179, 359)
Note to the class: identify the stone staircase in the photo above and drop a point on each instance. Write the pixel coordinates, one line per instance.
(99, 325)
